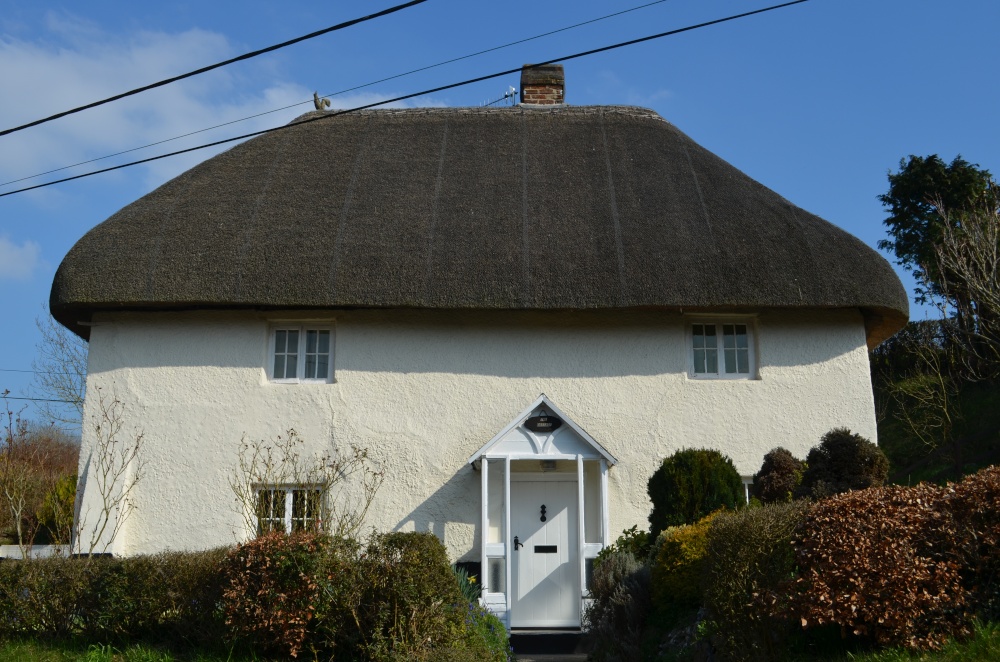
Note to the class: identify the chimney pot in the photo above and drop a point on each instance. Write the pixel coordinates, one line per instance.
(544, 85)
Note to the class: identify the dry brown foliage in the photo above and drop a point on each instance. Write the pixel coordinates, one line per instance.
(904, 566)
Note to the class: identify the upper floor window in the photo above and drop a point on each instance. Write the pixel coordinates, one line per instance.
(301, 354)
(722, 350)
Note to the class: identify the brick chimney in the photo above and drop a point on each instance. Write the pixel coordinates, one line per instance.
(545, 85)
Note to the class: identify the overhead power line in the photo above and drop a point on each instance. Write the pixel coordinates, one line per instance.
(245, 56)
(441, 88)
(38, 372)
(344, 91)
(11, 397)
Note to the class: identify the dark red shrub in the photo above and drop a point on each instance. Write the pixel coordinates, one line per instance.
(883, 564)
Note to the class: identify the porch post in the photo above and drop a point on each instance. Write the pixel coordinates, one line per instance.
(508, 557)
(605, 528)
(581, 522)
(484, 571)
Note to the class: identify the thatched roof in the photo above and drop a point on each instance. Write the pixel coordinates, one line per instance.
(565, 207)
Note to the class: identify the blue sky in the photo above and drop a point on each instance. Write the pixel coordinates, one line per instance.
(817, 101)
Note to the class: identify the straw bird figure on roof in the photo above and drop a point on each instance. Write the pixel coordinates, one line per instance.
(320, 103)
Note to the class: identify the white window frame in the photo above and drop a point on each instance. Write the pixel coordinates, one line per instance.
(288, 491)
(302, 329)
(718, 322)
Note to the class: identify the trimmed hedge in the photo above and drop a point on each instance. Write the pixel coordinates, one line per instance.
(395, 598)
(884, 564)
(747, 567)
(167, 597)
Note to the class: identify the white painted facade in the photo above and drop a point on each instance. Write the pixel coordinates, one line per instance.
(423, 390)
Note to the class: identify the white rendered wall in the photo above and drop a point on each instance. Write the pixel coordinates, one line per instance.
(423, 391)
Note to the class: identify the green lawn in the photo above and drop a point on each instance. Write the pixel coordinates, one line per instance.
(32, 651)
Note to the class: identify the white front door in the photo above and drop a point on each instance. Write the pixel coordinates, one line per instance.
(545, 566)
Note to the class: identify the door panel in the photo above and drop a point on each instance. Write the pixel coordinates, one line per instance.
(545, 570)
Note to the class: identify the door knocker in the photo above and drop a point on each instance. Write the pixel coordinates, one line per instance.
(543, 512)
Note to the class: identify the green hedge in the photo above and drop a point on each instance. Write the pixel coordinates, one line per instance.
(393, 598)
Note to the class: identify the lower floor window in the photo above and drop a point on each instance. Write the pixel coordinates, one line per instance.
(288, 509)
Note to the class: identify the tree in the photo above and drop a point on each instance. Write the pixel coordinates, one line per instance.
(922, 187)
(690, 484)
(967, 260)
(60, 372)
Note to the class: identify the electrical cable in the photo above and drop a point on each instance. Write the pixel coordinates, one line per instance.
(344, 91)
(245, 56)
(330, 115)
(38, 372)
(11, 397)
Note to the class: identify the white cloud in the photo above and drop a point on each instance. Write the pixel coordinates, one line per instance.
(18, 262)
(74, 63)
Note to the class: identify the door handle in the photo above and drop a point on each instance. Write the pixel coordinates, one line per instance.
(517, 544)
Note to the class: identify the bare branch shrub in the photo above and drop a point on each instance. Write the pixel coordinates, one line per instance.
(967, 257)
(115, 466)
(347, 482)
(32, 461)
(60, 372)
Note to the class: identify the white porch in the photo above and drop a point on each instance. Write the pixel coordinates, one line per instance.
(544, 517)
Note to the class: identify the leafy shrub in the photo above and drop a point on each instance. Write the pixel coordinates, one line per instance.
(485, 635)
(614, 620)
(748, 560)
(975, 504)
(678, 565)
(633, 541)
(843, 461)
(778, 478)
(690, 484)
(411, 603)
(882, 564)
(271, 591)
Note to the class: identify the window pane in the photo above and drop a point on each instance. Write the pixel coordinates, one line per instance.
(270, 511)
(291, 366)
(498, 576)
(712, 356)
(743, 361)
(324, 342)
(322, 369)
(279, 341)
(279, 366)
(699, 361)
(310, 366)
(698, 335)
(293, 342)
(729, 336)
(311, 342)
(741, 336)
(730, 361)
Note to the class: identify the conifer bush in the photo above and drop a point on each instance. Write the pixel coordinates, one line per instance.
(779, 477)
(841, 462)
(689, 485)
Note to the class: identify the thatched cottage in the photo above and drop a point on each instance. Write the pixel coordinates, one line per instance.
(518, 311)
